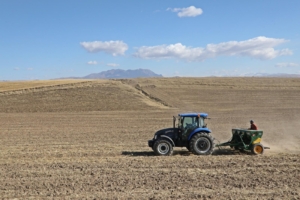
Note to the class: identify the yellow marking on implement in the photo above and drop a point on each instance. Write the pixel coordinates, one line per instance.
(256, 141)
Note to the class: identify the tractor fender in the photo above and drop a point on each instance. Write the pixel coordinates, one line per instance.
(168, 139)
(197, 130)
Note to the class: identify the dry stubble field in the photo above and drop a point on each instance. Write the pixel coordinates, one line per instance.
(80, 139)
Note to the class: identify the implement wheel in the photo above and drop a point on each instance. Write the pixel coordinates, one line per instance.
(163, 147)
(202, 144)
(257, 149)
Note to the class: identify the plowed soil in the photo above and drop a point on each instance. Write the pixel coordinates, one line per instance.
(88, 139)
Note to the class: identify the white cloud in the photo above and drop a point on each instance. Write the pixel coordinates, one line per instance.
(111, 47)
(259, 47)
(17, 68)
(92, 63)
(286, 65)
(112, 65)
(191, 11)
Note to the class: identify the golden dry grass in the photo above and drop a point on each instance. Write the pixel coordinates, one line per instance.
(6, 86)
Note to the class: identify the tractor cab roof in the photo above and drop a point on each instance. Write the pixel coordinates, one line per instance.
(204, 115)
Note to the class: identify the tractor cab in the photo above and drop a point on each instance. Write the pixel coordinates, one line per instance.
(189, 122)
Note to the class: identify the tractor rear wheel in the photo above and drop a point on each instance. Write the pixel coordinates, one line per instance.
(202, 144)
(163, 147)
(257, 149)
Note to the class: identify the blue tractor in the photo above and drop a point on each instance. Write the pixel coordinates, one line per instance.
(191, 132)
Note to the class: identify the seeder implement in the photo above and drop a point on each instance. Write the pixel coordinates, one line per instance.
(244, 139)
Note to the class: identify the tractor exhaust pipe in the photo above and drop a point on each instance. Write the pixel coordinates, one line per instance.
(174, 120)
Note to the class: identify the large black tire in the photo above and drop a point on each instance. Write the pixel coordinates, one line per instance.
(202, 144)
(163, 147)
(257, 149)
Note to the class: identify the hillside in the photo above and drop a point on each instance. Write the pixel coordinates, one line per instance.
(231, 102)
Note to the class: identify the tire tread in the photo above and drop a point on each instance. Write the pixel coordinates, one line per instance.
(194, 139)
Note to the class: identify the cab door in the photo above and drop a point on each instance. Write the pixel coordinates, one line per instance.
(188, 125)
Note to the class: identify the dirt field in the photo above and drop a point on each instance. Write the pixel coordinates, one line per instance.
(88, 139)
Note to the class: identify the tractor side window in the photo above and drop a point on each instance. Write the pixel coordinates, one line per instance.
(190, 122)
(187, 121)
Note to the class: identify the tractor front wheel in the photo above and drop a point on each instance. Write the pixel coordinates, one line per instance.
(257, 149)
(202, 144)
(163, 147)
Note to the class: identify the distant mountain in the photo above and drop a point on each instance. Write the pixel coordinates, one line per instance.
(283, 75)
(119, 73)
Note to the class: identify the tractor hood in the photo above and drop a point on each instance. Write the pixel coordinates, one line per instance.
(168, 132)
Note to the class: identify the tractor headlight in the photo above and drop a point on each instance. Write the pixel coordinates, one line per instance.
(155, 136)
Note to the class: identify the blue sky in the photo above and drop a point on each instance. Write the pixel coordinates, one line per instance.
(64, 38)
